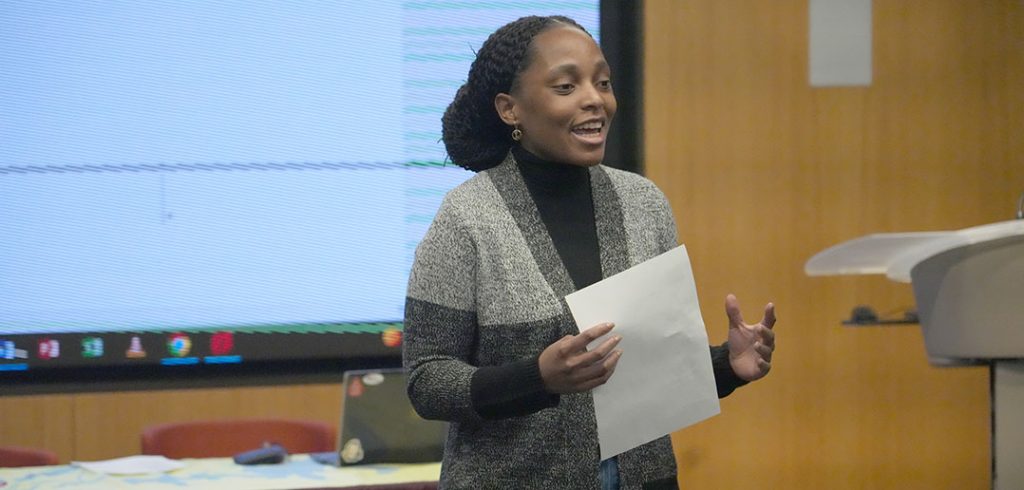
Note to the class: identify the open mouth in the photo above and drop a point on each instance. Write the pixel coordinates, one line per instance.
(590, 132)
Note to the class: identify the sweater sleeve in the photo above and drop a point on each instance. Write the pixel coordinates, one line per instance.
(726, 380)
(440, 337)
(510, 390)
(440, 327)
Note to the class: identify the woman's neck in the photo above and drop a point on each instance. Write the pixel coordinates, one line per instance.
(545, 176)
(564, 200)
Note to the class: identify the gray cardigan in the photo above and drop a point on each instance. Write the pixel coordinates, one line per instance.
(487, 289)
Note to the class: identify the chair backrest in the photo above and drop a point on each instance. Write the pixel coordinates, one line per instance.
(223, 438)
(15, 456)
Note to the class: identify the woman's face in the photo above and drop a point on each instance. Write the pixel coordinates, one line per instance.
(563, 101)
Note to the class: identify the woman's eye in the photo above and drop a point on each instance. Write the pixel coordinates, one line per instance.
(605, 84)
(564, 87)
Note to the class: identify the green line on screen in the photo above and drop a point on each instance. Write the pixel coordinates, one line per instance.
(376, 327)
(447, 31)
(423, 135)
(439, 57)
(423, 109)
(425, 192)
(419, 218)
(478, 5)
(416, 163)
(432, 83)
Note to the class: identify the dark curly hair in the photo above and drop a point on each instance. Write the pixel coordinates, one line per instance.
(474, 136)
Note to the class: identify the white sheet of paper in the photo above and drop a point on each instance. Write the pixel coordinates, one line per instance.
(664, 380)
(131, 465)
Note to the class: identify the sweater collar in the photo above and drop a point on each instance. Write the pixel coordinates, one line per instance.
(510, 184)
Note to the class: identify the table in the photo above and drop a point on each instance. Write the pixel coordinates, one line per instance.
(299, 472)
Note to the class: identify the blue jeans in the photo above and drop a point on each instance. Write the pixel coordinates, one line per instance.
(609, 474)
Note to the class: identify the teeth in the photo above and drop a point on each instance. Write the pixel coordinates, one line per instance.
(590, 126)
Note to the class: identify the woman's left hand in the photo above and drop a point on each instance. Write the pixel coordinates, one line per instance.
(750, 346)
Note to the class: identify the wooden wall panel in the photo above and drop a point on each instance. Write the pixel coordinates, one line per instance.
(108, 425)
(764, 171)
(42, 421)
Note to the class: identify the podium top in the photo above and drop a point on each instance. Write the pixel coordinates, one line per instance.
(895, 254)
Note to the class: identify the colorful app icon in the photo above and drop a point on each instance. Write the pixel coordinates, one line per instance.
(92, 347)
(222, 343)
(178, 345)
(10, 351)
(391, 337)
(49, 349)
(135, 350)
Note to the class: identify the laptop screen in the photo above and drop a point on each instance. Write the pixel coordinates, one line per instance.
(379, 425)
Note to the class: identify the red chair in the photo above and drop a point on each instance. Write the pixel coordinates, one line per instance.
(223, 438)
(14, 456)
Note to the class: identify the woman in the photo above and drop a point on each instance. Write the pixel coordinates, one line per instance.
(489, 342)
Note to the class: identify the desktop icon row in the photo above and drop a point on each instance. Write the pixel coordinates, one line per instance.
(178, 345)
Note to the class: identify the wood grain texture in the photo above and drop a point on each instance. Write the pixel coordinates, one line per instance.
(763, 171)
(41, 421)
(109, 425)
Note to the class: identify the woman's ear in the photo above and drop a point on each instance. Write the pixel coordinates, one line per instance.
(505, 105)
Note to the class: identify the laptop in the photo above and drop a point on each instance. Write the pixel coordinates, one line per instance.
(379, 425)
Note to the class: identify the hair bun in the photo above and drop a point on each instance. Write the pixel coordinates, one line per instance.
(474, 135)
(467, 138)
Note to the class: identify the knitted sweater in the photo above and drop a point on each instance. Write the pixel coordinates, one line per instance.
(487, 290)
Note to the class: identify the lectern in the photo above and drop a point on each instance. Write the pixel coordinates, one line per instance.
(969, 289)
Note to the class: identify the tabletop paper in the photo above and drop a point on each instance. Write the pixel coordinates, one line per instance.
(298, 471)
(131, 465)
(664, 380)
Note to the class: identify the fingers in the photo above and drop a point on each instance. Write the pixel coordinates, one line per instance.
(567, 366)
(769, 315)
(732, 310)
(764, 350)
(594, 356)
(589, 369)
(767, 336)
(602, 350)
(599, 373)
(580, 342)
(764, 366)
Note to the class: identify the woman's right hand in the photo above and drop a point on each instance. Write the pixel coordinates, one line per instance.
(566, 366)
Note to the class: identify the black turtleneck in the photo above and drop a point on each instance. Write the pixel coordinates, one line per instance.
(563, 197)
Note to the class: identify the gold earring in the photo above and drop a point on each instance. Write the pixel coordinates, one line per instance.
(517, 134)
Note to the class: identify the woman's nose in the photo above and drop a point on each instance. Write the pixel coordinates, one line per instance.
(591, 97)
